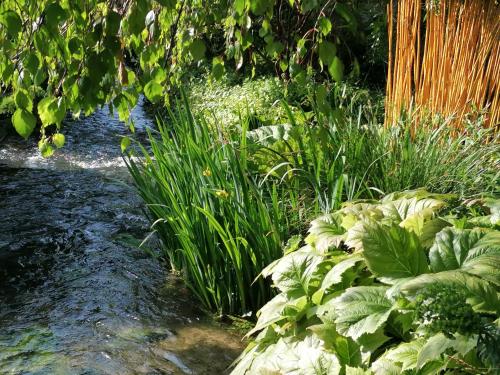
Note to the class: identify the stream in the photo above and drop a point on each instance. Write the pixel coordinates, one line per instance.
(76, 294)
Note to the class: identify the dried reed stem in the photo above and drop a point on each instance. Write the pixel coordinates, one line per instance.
(453, 69)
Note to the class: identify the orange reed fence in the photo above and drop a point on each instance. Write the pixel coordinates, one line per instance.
(444, 58)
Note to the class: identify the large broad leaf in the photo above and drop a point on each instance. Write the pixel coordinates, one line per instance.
(270, 134)
(289, 356)
(483, 295)
(405, 209)
(383, 366)
(361, 310)
(325, 233)
(494, 206)
(428, 230)
(270, 313)
(436, 345)
(473, 251)
(392, 252)
(406, 354)
(347, 350)
(335, 275)
(294, 272)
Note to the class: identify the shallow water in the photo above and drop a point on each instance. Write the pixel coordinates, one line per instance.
(76, 294)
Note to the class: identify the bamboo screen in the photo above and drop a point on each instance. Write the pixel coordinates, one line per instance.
(444, 58)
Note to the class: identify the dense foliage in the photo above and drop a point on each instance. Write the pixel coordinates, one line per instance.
(385, 287)
(210, 211)
(73, 55)
(213, 186)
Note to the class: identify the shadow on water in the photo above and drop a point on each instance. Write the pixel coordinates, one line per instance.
(76, 296)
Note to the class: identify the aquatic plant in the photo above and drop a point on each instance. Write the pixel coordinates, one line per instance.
(218, 225)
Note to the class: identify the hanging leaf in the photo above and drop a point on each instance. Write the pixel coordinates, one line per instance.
(23, 100)
(45, 148)
(153, 91)
(51, 110)
(336, 69)
(217, 68)
(12, 22)
(58, 140)
(125, 143)
(327, 52)
(24, 122)
(197, 49)
(325, 26)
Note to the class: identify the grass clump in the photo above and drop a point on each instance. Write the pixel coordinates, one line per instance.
(219, 227)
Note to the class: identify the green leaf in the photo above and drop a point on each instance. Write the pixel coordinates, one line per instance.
(427, 233)
(325, 233)
(356, 371)
(336, 69)
(269, 314)
(24, 122)
(294, 272)
(474, 251)
(383, 366)
(125, 143)
(43, 42)
(347, 351)
(58, 140)
(483, 295)
(40, 76)
(327, 52)
(362, 310)
(259, 7)
(158, 74)
(12, 22)
(217, 68)
(197, 49)
(31, 63)
(335, 275)
(392, 252)
(153, 91)
(407, 207)
(406, 353)
(370, 342)
(45, 148)
(54, 14)
(121, 104)
(432, 350)
(23, 100)
(51, 110)
(325, 26)
(239, 6)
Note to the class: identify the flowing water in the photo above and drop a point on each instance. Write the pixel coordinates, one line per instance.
(76, 294)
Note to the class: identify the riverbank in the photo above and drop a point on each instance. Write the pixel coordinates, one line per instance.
(77, 296)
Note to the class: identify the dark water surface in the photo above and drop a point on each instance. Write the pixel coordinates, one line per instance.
(76, 295)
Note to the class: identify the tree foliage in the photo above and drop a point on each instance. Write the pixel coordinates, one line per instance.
(79, 55)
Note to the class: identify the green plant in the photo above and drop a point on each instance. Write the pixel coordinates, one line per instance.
(83, 55)
(342, 138)
(360, 296)
(218, 226)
